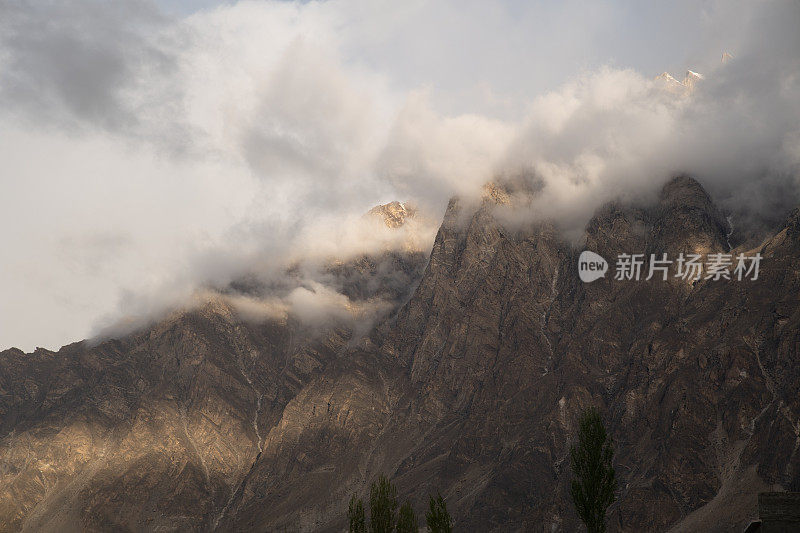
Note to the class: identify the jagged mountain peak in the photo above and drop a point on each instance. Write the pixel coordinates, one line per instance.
(684, 87)
(670, 84)
(691, 79)
(394, 214)
(512, 188)
(688, 221)
(684, 220)
(683, 190)
(666, 76)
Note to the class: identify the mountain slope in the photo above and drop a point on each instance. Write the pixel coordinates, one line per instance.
(471, 387)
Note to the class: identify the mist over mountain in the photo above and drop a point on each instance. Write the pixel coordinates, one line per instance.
(182, 151)
(288, 247)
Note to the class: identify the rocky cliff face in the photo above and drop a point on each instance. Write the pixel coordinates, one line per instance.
(470, 386)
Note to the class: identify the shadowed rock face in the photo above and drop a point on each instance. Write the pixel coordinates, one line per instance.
(471, 387)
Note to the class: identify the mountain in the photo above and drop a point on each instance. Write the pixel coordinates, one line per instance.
(394, 214)
(667, 82)
(692, 78)
(470, 384)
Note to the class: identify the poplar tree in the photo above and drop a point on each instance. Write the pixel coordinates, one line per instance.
(594, 481)
(382, 506)
(407, 521)
(355, 515)
(437, 517)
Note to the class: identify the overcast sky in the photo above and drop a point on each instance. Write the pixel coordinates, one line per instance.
(149, 148)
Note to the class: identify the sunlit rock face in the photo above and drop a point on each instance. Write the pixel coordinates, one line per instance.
(667, 82)
(670, 84)
(468, 383)
(394, 214)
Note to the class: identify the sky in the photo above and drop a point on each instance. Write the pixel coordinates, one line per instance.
(151, 149)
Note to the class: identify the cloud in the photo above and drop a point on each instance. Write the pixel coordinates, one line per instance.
(148, 156)
(80, 61)
(441, 155)
(618, 134)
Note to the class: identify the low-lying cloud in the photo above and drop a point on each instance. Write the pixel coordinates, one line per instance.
(147, 157)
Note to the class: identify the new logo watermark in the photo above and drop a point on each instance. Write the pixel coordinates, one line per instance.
(591, 266)
(690, 267)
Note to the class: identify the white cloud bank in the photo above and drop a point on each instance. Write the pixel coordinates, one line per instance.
(144, 156)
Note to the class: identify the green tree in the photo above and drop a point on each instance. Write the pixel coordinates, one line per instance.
(382, 506)
(407, 521)
(437, 517)
(355, 515)
(593, 482)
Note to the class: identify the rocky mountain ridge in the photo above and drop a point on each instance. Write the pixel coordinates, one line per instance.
(470, 386)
